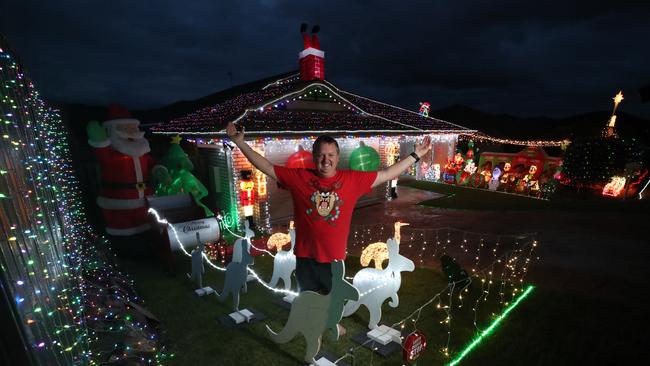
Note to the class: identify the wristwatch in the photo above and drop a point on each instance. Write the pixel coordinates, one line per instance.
(415, 156)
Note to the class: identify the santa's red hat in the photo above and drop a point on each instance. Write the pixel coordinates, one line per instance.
(119, 115)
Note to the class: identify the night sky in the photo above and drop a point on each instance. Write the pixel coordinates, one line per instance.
(526, 58)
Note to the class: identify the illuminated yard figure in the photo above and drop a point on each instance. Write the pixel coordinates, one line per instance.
(494, 182)
(177, 178)
(452, 168)
(506, 173)
(123, 154)
(532, 172)
(164, 181)
(378, 251)
(284, 262)
(237, 270)
(247, 193)
(610, 129)
(532, 179)
(277, 241)
(614, 187)
(312, 313)
(462, 178)
(375, 286)
(392, 156)
(486, 174)
(436, 172)
(469, 156)
(424, 109)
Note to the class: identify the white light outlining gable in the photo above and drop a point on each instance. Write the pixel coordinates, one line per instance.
(324, 86)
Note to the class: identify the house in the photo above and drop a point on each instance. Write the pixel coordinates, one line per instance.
(531, 155)
(284, 117)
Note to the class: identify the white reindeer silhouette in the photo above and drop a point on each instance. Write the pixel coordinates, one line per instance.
(237, 269)
(312, 313)
(284, 263)
(375, 286)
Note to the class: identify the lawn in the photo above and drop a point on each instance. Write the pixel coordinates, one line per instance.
(195, 337)
(549, 327)
(556, 328)
(565, 199)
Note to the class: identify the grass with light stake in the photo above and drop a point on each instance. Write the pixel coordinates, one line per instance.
(194, 336)
(465, 198)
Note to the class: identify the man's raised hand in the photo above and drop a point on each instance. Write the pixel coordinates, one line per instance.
(423, 147)
(233, 134)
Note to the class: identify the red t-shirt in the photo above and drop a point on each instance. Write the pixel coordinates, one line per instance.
(322, 209)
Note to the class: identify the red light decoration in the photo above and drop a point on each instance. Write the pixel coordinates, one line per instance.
(247, 196)
(424, 109)
(301, 159)
(614, 187)
(414, 346)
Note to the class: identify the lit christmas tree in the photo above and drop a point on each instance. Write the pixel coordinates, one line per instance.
(610, 129)
(592, 161)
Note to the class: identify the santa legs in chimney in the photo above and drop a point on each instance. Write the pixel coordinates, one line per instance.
(307, 41)
(312, 58)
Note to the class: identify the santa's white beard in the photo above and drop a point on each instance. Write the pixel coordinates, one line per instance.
(134, 148)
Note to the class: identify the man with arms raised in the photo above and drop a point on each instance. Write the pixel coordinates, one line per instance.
(323, 201)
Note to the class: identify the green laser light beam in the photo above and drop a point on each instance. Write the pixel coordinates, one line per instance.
(491, 328)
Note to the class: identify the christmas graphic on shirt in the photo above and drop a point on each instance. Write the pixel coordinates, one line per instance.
(326, 202)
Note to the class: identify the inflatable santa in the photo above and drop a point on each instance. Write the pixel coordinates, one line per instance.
(123, 154)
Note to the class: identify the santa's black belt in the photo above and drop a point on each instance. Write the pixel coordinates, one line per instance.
(117, 185)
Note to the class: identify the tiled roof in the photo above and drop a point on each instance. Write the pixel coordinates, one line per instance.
(263, 111)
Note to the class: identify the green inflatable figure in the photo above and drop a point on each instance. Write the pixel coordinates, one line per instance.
(164, 181)
(177, 177)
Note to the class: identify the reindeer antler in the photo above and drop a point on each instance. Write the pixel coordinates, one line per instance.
(398, 225)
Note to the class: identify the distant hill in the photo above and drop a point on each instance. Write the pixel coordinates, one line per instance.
(507, 126)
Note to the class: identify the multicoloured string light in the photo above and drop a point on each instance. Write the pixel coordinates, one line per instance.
(481, 137)
(512, 261)
(40, 256)
(68, 300)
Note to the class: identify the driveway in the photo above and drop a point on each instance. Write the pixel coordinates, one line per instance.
(600, 254)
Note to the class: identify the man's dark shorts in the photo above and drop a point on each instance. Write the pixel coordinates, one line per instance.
(313, 276)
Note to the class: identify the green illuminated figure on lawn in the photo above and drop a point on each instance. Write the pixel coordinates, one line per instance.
(176, 177)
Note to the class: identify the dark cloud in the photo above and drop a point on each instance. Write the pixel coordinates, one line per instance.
(526, 58)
